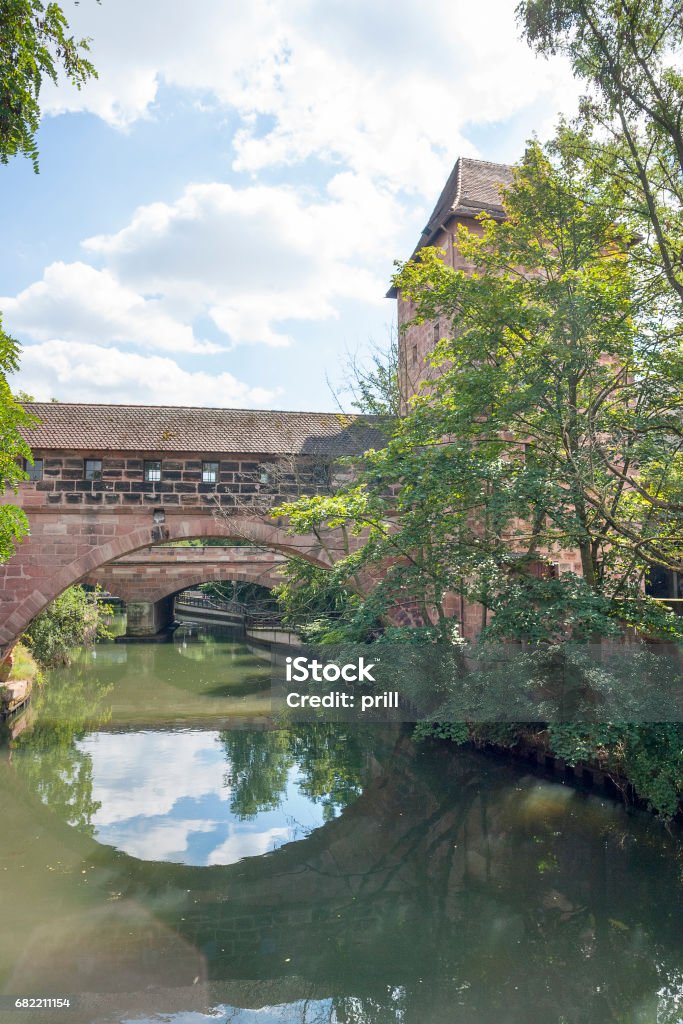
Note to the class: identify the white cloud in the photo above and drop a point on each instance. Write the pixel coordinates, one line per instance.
(387, 89)
(158, 839)
(382, 95)
(75, 302)
(254, 261)
(251, 258)
(148, 784)
(77, 372)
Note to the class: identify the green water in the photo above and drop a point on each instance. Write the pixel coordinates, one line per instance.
(165, 858)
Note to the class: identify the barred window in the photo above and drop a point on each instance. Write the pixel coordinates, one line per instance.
(35, 471)
(153, 471)
(93, 469)
(209, 472)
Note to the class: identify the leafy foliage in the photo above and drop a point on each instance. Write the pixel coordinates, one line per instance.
(375, 385)
(49, 757)
(13, 448)
(649, 756)
(74, 619)
(34, 44)
(331, 763)
(552, 427)
(629, 130)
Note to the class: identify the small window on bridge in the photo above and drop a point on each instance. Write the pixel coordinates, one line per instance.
(153, 472)
(93, 469)
(209, 472)
(35, 471)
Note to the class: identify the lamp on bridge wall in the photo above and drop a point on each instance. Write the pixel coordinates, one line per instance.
(158, 516)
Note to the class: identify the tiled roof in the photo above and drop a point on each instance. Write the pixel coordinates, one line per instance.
(216, 431)
(473, 187)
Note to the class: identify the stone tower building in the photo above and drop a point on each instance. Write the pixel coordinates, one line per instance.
(473, 187)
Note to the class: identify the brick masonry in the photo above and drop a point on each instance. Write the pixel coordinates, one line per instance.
(78, 525)
(417, 341)
(158, 572)
(243, 480)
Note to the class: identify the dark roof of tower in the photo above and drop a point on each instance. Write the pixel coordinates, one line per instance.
(473, 187)
(157, 428)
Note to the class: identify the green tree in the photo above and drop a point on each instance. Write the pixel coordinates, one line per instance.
(552, 426)
(49, 757)
(626, 52)
(331, 761)
(373, 384)
(34, 44)
(73, 619)
(629, 133)
(13, 448)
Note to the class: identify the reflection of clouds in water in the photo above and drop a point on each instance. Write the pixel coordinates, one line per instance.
(147, 773)
(162, 797)
(154, 839)
(248, 844)
(285, 1013)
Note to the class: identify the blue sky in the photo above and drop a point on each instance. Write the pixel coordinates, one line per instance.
(216, 218)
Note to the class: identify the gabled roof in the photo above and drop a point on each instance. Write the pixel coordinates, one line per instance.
(473, 187)
(142, 428)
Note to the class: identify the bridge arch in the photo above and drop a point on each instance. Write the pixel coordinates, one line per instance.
(64, 549)
(155, 573)
(109, 480)
(127, 591)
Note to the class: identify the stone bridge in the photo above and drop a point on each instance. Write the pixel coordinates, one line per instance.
(108, 481)
(148, 579)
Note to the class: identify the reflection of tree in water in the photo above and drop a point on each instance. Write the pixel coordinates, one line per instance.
(259, 765)
(47, 756)
(331, 758)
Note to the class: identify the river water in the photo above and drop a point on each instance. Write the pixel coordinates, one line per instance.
(166, 856)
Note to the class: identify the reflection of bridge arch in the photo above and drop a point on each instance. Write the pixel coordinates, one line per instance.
(428, 886)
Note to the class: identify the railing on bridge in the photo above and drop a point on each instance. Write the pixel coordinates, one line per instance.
(193, 599)
(236, 609)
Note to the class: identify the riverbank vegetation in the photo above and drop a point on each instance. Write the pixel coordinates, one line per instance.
(75, 619)
(24, 665)
(551, 430)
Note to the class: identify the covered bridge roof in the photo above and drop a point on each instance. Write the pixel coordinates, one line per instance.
(183, 429)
